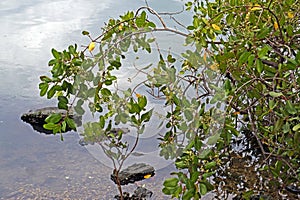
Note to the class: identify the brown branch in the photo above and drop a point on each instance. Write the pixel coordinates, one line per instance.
(277, 21)
(254, 132)
(152, 12)
(270, 63)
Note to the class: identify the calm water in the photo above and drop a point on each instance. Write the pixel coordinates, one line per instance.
(32, 165)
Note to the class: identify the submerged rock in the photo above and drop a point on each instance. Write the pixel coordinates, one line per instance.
(140, 193)
(133, 173)
(36, 118)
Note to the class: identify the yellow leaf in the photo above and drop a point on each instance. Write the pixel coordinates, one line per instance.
(120, 27)
(290, 15)
(214, 67)
(204, 57)
(147, 176)
(92, 46)
(236, 113)
(138, 95)
(256, 7)
(275, 26)
(216, 27)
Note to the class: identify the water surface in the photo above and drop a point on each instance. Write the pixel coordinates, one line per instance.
(33, 165)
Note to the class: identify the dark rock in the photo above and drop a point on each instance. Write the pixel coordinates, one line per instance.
(133, 173)
(36, 118)
(126, 196)
(140, 193)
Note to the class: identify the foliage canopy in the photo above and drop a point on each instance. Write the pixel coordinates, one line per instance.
(240, 72)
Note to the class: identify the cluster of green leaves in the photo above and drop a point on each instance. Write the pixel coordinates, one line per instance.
(65, 66)
(86, 78)
(259, 57)
(242, 70)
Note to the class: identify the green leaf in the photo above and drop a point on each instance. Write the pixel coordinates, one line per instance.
(53, 62)
(56, 54)
(286, 127)
(263, 51)
(259, 66)
(207, 175)
(78, 108)
(275, 94)
(205, 153)
(244, 56)
(180, 165)
(210, 165)
(152, 25)
(105, 92)
(263, 33)
(171, 59)
(53, 118)
(45, 79)
(85, 33)
(63, 99)
(296, 127)
(213, 139)
(251, 59)
(171, 182)
(188, 195)
(51, 126)
(140, 21)
(290, 108)
(134, 108)
(62, 105)
(71, 123)
(64, 126)
(72, 49)
(177, 192)
(43, 88)
(278, 165)
(227, 85)
(203, 189)
(115, 63)
(166, 191)
(53, 90)
(188, 115)
(102, 121)
(142, 102)
(146, 116)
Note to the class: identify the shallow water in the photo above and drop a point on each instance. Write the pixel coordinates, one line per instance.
(32, 165)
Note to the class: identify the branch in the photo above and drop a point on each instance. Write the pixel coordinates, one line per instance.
(152, 12)
(270, 63)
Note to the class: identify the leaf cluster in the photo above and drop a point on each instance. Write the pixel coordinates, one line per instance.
(240, 72)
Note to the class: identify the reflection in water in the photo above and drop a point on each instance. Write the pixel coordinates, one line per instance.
(34, 165)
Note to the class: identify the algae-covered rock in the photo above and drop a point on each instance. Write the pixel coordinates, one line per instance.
(133, 173)
(36, 118)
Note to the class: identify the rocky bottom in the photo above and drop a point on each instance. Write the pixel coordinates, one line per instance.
(30, 192)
